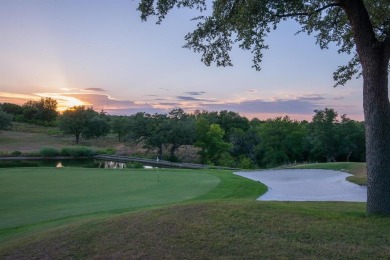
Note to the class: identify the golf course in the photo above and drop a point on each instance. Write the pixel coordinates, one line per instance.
(83, 213)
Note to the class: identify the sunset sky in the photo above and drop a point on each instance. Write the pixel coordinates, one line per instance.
(99, 53)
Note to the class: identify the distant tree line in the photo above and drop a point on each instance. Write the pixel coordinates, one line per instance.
(42, 112)
(226, 138)
(222, 138)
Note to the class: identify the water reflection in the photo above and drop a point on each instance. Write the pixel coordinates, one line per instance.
(59, 165)
(112, 165)
(88, 163)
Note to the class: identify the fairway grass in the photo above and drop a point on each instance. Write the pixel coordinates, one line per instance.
(32, 199)
(225, 229)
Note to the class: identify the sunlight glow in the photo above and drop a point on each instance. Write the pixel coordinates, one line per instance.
(64, 101)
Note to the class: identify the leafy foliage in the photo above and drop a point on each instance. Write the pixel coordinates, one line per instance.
(210, 139)
(77, 151)
(5, 120)
(86, 122)
(49, 152)
(43, 112)
(282, 141)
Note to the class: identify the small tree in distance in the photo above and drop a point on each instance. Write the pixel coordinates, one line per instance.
(76, 121)
(5, 120)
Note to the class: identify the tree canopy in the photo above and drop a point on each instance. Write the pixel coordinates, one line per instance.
(86, 122)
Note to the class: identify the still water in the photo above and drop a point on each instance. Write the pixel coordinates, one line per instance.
(89, 163)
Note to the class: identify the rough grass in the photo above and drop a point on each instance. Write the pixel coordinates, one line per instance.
(218, 230)
(358, 170)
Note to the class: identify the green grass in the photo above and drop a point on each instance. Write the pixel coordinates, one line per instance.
(39, 198)
(221, 221)
(222, 229)
(357, 169)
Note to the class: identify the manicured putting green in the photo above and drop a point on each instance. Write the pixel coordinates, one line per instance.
(33, 195)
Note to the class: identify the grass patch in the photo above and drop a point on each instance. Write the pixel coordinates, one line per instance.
(358, 170)
(215, 230)
(35, 198)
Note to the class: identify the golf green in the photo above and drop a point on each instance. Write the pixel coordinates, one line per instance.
(35, 195)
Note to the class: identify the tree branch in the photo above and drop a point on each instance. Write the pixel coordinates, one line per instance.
(311, 13)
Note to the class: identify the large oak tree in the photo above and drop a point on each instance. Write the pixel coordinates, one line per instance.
(359, 27)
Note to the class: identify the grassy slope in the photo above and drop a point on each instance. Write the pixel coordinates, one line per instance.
(357, 169)
(29, 138)
(36, 199)
(219, 229)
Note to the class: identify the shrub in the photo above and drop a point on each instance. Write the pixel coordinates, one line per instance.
(8, 164)
(246, 163)
(16, 153)
(108, 151)
(226, 160)
(49, 152)
(77, 151)
(135, 165)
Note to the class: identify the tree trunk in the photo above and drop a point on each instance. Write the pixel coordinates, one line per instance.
(377, 121)
(374, 57)
(173, 150)
(349, 156)
(77, 138)
(160, 152)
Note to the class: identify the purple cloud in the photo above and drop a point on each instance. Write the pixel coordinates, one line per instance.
(95, 89)
(303, 106)
(195, 93)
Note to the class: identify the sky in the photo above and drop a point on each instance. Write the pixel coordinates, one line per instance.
(99, 53)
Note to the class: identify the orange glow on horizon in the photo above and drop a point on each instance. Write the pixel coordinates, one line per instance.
(64, 101)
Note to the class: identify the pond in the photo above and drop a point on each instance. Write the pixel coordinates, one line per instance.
(88, 163)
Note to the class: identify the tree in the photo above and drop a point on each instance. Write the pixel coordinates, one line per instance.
(5, 120)
(96, 127)
(12, 109)
(324, 137)
(157, 133)
(352, 138)
(180, 131)
(227, 120)
(75, 120)
(244, 143)
(120, 126)
(282, 141)
(40, 112)
(210, 141)
(140, 127)
(358, 27)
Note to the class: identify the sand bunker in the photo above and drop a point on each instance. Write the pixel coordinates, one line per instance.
(307, 185)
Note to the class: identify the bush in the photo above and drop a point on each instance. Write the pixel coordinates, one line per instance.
(77, 152)
(8, 164)
(134, 165)
(246, 163)
(16, 153)
(49, 152)
(108, 151)
(226, 160)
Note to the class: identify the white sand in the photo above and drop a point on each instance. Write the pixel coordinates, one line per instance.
(307, 185)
